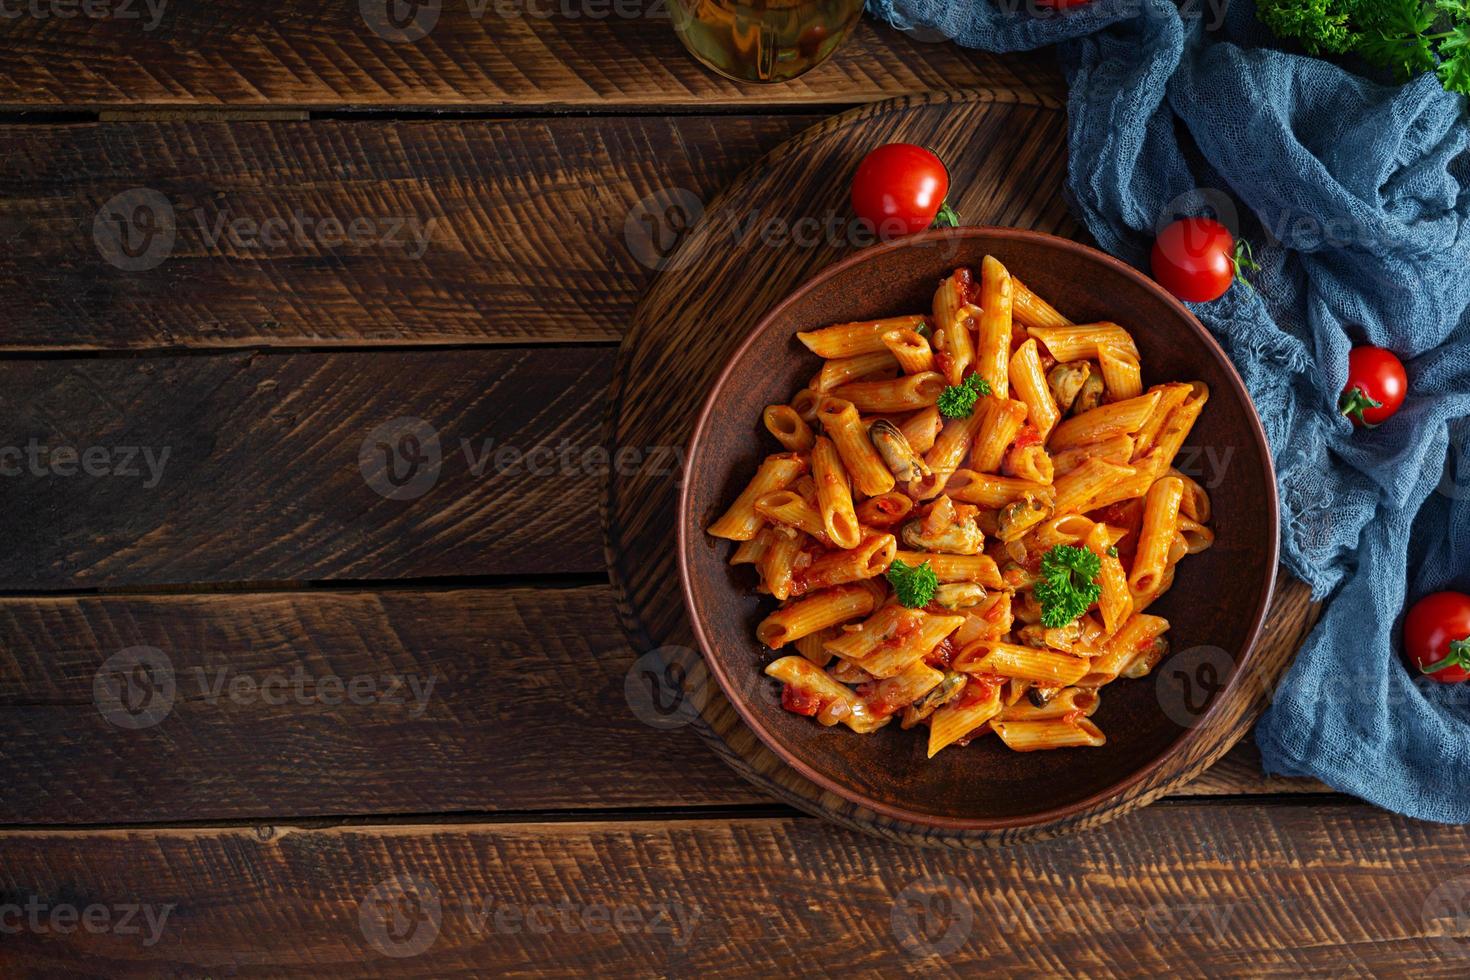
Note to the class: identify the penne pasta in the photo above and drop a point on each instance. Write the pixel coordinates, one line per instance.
(1113, 419)
(1027, 663)
(813, 613)
(985, 570)
(851, 339)
(1078, 700)
(952, 316)
(1083, 342)
(1160, 524)
(1031, 311)
(991, 490)
(834, 495)
(1121, 374)
(1002, 423)
(1056, 733)
(789, 428)
(907, 393)
(841, 424)
(1028, 382)
(993, 326)
(957, 568)
(980, 701)
(741, 522)
(911, 350)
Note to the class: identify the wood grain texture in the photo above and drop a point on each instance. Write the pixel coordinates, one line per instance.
(509, 54)
(468, 700)
(466, 232)
(1005, 159)
(301, 704)
(1176, 890)
(263, 480)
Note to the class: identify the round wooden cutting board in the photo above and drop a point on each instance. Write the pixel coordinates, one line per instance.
(723, 264)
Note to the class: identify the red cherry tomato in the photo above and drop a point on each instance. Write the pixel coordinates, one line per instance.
(1437, 636)
(899, 189)
(1197, 259)
(1376, 386)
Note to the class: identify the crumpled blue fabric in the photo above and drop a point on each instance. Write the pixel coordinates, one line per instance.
(1358, 197)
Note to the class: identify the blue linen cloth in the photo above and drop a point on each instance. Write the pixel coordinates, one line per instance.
(1357, 195)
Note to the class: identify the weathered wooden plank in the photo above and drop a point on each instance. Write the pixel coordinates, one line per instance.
(212, 234)
(444, 53)
(270, 467)
(134, 709)
(298, 704)
(1172, 890)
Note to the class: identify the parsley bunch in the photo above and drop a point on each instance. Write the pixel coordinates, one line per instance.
(914, 584)
(1068, 585)
(958, 401)
(1406, 36)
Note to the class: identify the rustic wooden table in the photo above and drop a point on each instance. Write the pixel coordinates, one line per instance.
(263, 713)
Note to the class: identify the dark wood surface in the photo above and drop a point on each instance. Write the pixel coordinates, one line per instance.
(263, 819)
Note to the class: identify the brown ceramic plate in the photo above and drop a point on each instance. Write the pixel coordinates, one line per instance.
(1216, 606)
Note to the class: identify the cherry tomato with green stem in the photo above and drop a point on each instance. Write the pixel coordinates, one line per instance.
(1376, 386)
(1437, 636)
(900, 189)
(1197, 259)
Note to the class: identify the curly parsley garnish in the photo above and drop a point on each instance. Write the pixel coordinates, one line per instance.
(958, 401)
(1068, 584)
(914, 584)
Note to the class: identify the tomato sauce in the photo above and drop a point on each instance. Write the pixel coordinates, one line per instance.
(979, 689)
(800, 701)
(942, 656)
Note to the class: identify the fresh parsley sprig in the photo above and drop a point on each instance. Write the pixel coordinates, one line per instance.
(1068, 585)
(1406, 36)
(915, 585)
(958, 401)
